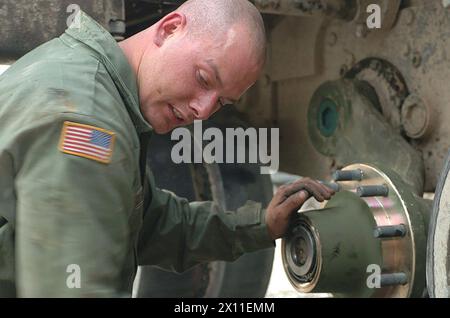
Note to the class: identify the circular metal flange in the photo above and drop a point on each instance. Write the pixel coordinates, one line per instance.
(398, 253)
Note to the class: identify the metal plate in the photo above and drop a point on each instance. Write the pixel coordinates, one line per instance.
(438, 265)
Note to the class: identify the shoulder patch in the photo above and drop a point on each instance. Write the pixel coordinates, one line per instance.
(87, 141)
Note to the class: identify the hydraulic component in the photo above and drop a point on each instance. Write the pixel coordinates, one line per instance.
(345, 123)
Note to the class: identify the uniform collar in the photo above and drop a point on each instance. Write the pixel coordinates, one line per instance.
(92, 34)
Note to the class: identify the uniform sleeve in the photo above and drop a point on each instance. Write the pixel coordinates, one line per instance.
(178, 235)
(72, 233)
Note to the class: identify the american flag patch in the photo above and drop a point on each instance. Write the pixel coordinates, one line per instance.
(87, 142)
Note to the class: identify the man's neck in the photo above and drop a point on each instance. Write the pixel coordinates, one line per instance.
(135, 47)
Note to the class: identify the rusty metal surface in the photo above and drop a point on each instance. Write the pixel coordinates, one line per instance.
(342, 9)
(25, 24)
(416, 46)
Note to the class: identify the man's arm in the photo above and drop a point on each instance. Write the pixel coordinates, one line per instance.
(177, 235)
(72, 216)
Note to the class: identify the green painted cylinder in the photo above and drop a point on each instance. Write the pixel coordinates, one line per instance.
(344, 247)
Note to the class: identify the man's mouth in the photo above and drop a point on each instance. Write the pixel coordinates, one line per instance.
(178, 115)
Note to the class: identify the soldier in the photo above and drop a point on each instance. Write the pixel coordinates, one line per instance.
(75, 117)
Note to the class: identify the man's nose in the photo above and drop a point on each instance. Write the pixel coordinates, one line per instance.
(204, 106)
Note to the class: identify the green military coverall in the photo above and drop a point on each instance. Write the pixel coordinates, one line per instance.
(61, 209)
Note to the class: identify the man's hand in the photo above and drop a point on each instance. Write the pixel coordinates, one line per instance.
(289, 199)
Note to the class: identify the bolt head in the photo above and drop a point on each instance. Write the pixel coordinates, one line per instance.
(415, 117)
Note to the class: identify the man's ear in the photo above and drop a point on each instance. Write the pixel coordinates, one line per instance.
(170, 24)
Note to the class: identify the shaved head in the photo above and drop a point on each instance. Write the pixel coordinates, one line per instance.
(214, 18)
(196, 60)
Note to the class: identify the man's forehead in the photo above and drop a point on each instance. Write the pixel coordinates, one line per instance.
(233, 64)
(231, 37)
(218, 74)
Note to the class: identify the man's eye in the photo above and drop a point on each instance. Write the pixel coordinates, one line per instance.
(202, 80)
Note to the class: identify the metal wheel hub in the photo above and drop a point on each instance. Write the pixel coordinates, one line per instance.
(375, 222)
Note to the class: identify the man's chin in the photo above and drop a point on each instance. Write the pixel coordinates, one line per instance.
(162, 130)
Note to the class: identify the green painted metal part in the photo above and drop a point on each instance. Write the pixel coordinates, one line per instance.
(347, 245)
(358, 132)
(328, 118)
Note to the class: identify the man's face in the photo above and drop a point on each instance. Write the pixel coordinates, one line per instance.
(190, 79)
